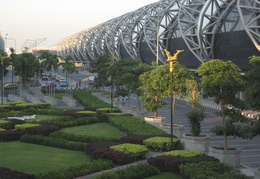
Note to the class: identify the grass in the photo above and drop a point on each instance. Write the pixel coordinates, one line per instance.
(97, 129)
(40, 117)
(165, 176)
(32, 158)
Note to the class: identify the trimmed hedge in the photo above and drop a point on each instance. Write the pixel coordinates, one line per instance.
(183, 153)
(22, 127)
(138, 171)
(77, 171)
(48, 111)
(15, 121)
(53, 142)
(138, 139)
(171, 163)
(107, 110)
(160, 144)
(43, 129)
(78, 114)
(5, 124)
(6, 173)
(137, 151)
(10, 135)
(132, 125)
(81, 138)
(101, 150)
(68, 121)
(203, 170)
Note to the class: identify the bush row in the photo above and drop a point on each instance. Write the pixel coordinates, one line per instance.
(133, 172)
(22, 127)
(79, 114)
(67, 121)
(132, 125)
(138, 139)
(81, 138)
(6, 173)
(101, 150)
(53, 142)
(172, 163)
(77, 171)
(18, 106)
(10, 135)
(205, 170)
(137, 151)
(5, 124)
(48, 111)
(43, 129)
(161, 144)
(85, 97)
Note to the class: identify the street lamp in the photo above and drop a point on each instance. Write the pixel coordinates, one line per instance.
(13, 59)
(171, 59)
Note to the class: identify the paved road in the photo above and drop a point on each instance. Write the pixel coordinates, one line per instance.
(250, 149)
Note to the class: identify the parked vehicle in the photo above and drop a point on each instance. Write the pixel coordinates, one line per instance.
(48, 85)
(63, 84)
(45, 77)
(11, 86)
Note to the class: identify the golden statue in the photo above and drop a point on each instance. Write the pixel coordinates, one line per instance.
(171, 58)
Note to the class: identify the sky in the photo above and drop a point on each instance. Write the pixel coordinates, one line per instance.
(57, 19)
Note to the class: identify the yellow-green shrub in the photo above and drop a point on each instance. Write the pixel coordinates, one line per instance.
(162, 143)
(135, 150)
(22, 127)
(183, 153)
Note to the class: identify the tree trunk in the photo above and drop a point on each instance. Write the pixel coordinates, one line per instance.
(224, 124)
(156, 111)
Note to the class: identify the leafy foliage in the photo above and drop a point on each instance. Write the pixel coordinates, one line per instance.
(162, 144)
(204, 169)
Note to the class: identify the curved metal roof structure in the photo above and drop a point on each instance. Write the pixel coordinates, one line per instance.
(205, 29)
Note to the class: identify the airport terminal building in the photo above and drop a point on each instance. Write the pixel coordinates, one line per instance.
(204, 29)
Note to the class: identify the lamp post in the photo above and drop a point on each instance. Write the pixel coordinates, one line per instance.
(12, 59)
(171, 59)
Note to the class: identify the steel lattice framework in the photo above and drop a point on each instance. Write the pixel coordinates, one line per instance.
(155, 26)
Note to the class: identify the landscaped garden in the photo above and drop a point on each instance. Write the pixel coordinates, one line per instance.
(65, 143)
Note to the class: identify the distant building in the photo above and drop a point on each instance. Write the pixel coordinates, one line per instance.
(38, 53)
(2, 42)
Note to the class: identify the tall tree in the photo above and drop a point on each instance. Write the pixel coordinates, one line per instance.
(26, 65)
(101, 66)
(156, 84)
(68, 67)
(252, 92)
(222, 81)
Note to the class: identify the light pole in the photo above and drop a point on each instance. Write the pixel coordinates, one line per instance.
(12, 60)
(35, 41)
(171, 59)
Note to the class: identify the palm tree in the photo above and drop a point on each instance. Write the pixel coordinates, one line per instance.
(4, 63)
(50, 62)
(68, 67)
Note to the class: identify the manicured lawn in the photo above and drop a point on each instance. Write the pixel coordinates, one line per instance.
(97, 129)
(32, 158)
(165, 176)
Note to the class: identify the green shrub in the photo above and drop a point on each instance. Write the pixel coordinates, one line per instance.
(132, 125)
(138, 171)
(22, 127)
(81, 138)
(2, 129)
(90, 113)
(7, 113)
(183, 153)
(162, 143)
(135, 150)
(107, 110)
(48, 111)
(5, 124)
(72, 172)
(210, 170)
(53, 142)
